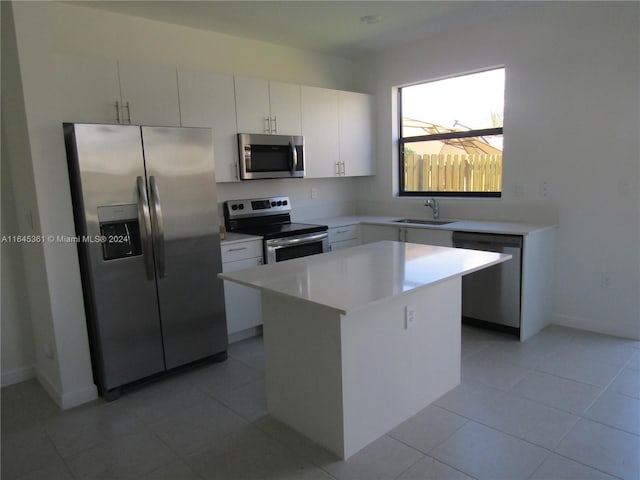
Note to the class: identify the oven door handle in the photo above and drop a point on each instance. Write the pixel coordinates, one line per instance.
(297, 240)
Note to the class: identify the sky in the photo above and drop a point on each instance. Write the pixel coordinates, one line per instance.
(469, 99)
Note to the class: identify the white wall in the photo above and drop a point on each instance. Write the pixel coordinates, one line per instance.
(95, 32)
(17, 344)
(571, 118)
(39, 172)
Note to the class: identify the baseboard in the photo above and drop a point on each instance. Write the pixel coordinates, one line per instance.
(244, 334)
(592, 326)
(69, 399)
(78, 397)
(17, 375)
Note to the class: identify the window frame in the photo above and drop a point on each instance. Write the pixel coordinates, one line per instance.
(403, 141)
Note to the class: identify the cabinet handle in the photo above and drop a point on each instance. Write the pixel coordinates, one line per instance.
(117, 111)
(128, 112)
(236, 249)
(267, 125)
(342, 169)
(337, 169)
(274, 124)
(342, 231)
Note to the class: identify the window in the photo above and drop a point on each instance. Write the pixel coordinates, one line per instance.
(451, 136)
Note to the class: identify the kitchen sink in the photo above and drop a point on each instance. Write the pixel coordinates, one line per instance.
(423, 222)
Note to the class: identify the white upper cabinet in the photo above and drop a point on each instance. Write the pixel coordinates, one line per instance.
(87, 89)
(337, 126)
(320, 130)
(252, 105)
(357, 156)
(149, 94)
(338, 133)
(98, 90)
(207, 100)
(269, 107)
(284, 99)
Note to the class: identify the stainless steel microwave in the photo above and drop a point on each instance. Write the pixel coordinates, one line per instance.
(270, 156)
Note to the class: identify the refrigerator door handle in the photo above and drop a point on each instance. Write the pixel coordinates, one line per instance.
(145, 219)
(158, 237)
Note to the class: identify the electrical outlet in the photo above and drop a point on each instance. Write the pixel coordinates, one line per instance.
(409, 316)
(605, 281)
(518, 190)
(545, 188)
(314, 193)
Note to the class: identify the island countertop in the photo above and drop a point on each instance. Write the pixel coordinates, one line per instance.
(350, 279)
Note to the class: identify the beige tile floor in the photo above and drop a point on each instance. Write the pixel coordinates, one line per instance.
(564, 405)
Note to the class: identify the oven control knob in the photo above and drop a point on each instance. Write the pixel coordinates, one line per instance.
(241, 206)
(279, 203)
(284, 202)
(273, 204)
(234, 207)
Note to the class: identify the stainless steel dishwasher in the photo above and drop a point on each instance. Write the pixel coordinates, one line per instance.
(491, 297)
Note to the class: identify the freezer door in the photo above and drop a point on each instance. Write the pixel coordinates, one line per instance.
(184, 214)
(119, 288)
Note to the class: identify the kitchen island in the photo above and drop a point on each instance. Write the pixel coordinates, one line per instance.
(359, 340)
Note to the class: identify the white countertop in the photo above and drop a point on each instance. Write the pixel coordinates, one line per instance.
(232, 238)
(349, 279)
(484, 226)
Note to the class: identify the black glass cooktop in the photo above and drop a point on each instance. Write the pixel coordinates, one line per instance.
(281, 230)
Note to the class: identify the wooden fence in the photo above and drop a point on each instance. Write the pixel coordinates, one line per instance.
(451, 173)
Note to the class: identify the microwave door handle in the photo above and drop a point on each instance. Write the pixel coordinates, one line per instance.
(294, 156)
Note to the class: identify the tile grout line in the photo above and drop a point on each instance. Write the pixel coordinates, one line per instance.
(426, 454)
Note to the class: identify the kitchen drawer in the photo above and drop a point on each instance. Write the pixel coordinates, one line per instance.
(241, 264)
(242, 250)
(340, 234)
(345, 244)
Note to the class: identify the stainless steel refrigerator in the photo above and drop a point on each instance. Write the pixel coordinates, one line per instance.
(146, 216)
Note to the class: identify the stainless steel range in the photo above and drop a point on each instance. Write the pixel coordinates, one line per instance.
(271, 218)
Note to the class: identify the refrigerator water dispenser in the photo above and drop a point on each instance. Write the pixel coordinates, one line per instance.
(121, 231)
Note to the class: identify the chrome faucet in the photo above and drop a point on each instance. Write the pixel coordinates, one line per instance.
(433, 203)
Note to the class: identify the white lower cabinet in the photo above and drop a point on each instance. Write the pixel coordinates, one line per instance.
(425, 236)
(378, 233)
(344, 237)
(429, 236)
(243, 305)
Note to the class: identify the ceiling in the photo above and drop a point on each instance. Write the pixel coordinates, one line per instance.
(329, 27)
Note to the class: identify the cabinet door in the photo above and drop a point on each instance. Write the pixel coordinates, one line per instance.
(243, 304)
(428, 236)
(377, 233)
(87, 89)
(344, 244)
(252, 105)
(320, 130)
(207, 100)
(356, 133)
(151, 92)
(345, 232)
(284, 100)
